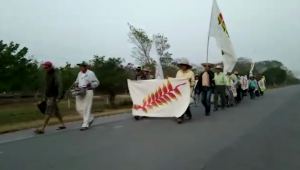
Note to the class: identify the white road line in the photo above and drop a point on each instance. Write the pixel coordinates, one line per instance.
(1, 152)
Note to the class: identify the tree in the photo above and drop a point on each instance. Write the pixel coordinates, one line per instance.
(275, 75)
(142, 43)
(15, 67)
(162, 47)
(111, 74)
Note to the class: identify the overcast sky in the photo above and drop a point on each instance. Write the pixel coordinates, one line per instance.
(75, 30)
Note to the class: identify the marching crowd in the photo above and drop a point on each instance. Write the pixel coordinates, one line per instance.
(202, 87)
(208, 83)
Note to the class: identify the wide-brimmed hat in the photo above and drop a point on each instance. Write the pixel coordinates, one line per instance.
(219, 67)
(207, 64)
(147, 69)
(235, 72)
(185, 62)
(251, 75)
(83, 63)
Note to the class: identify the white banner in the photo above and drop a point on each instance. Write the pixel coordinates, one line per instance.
(244, 82)
(233, 89)
(261, 84)
(159, 98)
(219, 31)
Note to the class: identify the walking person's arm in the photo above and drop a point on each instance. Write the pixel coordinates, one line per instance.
(59, 86)
(94, 80)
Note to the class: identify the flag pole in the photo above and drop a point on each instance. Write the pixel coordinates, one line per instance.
(207, 47)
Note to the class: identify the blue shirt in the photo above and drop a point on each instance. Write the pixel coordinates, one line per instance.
(252, 83)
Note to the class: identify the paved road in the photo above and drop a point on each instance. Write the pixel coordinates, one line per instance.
(256, 135)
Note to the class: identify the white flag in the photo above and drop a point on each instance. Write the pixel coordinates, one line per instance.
(153, 54)
(219, 31)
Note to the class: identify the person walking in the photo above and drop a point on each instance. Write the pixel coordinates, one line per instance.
(141, 74)
(238, 87)
(205, 86)
(186, 72)
(230, 80)
(53, 95)
(220, 86)
(253, 86)
(87, 81)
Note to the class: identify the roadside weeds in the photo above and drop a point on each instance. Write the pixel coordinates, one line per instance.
(69, 118)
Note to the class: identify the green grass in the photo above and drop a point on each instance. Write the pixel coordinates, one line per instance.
(27, 112)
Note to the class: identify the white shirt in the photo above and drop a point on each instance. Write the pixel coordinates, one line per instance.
(88, 77)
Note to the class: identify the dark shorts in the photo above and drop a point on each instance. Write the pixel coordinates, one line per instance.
(51, 107)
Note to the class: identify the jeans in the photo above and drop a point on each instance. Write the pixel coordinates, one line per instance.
(205, 98)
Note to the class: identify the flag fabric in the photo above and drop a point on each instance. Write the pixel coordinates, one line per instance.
(159, 98)
(153, 54)
(219, 31)
(251, 67)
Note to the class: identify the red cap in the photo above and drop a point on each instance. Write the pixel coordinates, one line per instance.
(47, 64)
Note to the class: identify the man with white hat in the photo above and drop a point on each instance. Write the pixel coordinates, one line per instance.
(147, 73)
(220, 86)
(186, 72)
(88, 81)
(205, 86)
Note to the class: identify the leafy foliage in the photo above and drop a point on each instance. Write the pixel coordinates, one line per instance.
(23, 74)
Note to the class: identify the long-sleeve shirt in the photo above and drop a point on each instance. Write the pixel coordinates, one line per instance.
(220, 79)
(253, 83)
(188, 74)
(54, 86)
(88, 77)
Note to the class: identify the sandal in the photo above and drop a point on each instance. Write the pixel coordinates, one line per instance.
(38, 132)
(61, 128)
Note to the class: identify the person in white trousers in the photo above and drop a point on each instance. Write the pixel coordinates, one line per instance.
(88, 80)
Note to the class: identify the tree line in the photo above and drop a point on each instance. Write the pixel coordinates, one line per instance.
(21, 73)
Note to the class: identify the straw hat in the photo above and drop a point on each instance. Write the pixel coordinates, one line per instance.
(207, 64)
(147, 69)
(219, 67)
(185, 62)
(235, 72)
(251, 75)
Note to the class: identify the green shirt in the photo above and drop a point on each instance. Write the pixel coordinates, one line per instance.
(220, 79)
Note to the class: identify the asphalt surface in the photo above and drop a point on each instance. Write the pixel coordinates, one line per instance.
(263, 134)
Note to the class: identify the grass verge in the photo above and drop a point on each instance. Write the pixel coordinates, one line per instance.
(20, 116)
(69, 118)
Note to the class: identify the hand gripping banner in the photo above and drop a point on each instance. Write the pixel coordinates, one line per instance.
(159, 98)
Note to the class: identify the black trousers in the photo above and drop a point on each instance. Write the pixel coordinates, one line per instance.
(188, 113)
(239, 94)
